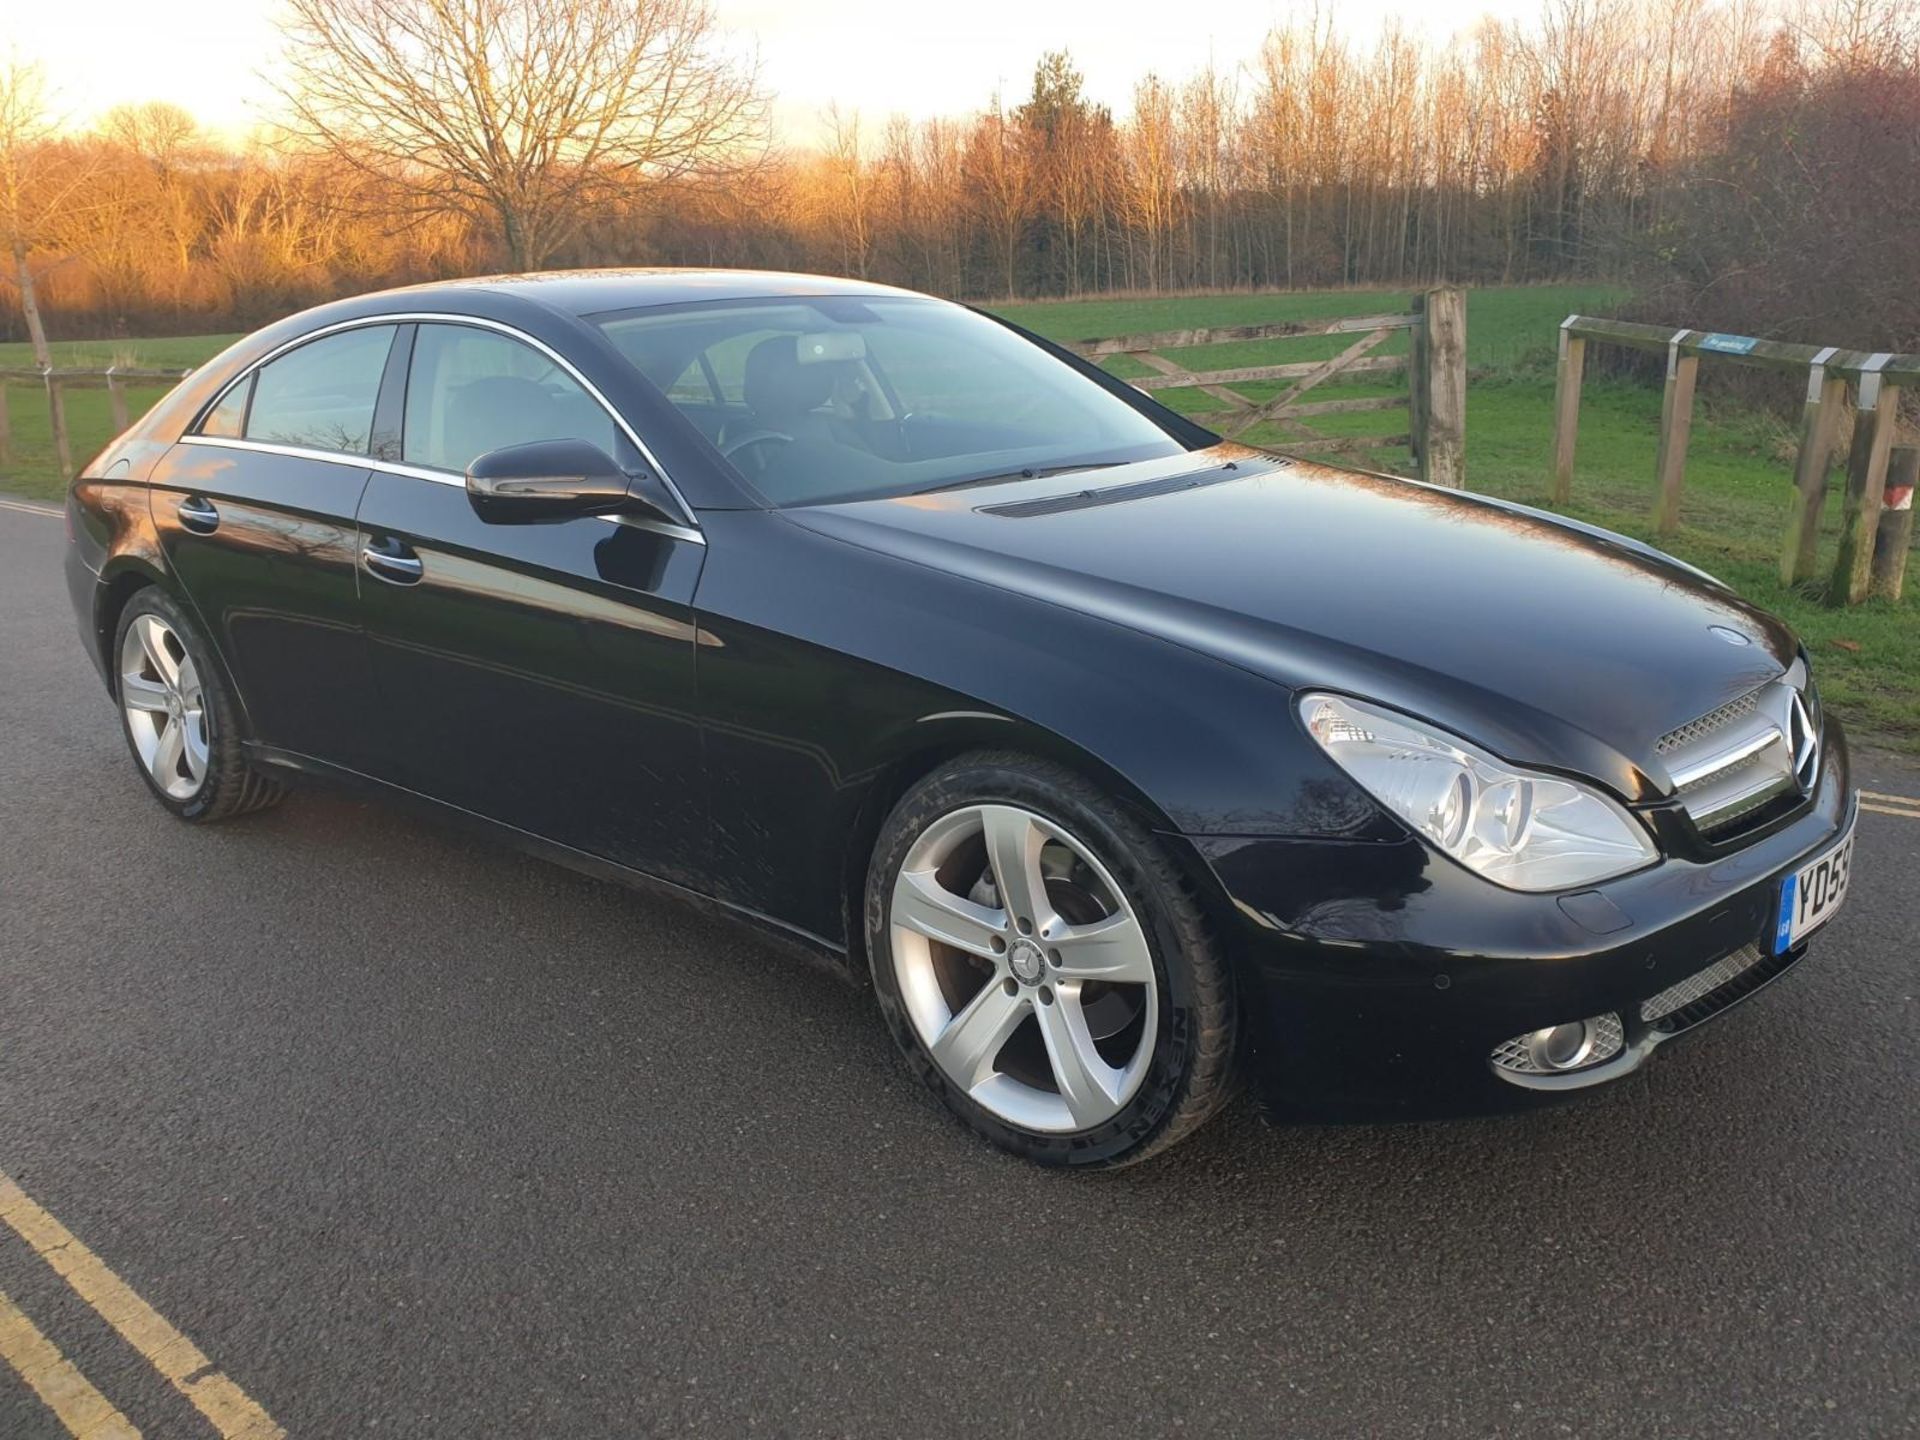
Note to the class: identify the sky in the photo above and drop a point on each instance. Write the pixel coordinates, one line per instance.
(875, 56)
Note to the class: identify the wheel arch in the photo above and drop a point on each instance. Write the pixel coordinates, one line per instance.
(923, 747)
(123, 577)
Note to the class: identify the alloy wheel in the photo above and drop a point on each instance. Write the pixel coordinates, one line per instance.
(165, 707)
(1024, 969)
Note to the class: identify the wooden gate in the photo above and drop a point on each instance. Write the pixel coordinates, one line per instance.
(1435, 399)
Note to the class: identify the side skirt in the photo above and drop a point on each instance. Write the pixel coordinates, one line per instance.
(817, 950)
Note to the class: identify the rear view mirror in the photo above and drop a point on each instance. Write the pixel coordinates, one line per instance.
(826, 346)
(554, 480)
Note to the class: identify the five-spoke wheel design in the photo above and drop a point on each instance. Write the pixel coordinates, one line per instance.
(165, 706)
(1023, 968)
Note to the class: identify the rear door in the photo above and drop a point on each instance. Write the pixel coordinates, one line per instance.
(255, 513)
(539, 675)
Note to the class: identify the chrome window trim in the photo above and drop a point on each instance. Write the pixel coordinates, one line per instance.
(421, 472)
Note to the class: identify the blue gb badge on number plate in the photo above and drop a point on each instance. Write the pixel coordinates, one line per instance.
(1783, 932)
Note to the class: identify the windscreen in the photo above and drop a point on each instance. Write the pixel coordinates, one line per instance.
(823, 399)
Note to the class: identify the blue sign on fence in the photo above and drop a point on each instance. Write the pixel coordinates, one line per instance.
(1729, 344)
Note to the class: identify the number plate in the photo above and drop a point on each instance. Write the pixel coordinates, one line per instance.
(1812, 894)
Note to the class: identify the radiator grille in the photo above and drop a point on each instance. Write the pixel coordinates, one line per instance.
(1694, 730)
(1731, 765)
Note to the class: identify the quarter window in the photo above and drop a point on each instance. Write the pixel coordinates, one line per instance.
(471, 390)
(320, 396)
(229, 417)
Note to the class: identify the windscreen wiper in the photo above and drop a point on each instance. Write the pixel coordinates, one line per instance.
(1025, 473)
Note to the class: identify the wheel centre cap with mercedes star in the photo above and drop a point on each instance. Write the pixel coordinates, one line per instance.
(1026, 962)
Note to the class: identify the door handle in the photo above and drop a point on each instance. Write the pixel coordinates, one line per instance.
(392, 561)
(198, 515)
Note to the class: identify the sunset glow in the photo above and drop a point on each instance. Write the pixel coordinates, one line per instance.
(214, 57)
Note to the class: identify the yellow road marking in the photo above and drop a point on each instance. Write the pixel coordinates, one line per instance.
(86, 1413)
(1913, 800)
(1889, 810)
(29, 509)
(177, 1359)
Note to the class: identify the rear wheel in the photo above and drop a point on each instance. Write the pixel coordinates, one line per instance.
(178, 717)
(1044, 967)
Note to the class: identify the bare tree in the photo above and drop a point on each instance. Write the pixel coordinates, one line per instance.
(851, 198)
(40, 178)
(522, 114)
(1000, 180)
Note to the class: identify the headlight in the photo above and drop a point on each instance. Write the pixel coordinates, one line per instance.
(1517, 828)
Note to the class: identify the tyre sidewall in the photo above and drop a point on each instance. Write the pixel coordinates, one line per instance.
(1097, 824)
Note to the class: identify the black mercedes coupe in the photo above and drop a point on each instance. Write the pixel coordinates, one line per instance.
(1126, 765)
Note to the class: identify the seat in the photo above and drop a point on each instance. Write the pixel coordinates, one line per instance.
(783, 394)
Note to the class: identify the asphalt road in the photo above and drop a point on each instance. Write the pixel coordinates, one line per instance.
(413, 1136)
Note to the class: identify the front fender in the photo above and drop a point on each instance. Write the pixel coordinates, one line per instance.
(828, 671)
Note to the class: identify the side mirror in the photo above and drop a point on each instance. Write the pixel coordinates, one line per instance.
(556, 480)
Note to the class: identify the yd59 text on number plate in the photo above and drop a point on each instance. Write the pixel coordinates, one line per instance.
(1812, 894)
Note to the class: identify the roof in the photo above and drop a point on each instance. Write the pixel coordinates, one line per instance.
(589, 292)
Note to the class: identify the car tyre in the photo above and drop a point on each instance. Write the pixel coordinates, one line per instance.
(936, 924)
(178, 716)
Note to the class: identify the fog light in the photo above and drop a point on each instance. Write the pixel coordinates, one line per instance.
(1582, 1045)
(1561, 1047)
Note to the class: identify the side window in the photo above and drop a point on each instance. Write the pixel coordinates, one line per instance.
(229, 417)
(321, 396)
(472, 390)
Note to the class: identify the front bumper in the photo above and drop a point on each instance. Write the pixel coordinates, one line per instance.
(1379, 978)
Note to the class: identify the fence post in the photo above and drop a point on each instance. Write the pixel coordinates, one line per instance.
(1443, 388)
(1676, 424)
(1895, 536)
(57, 415)
(1417, 386)
(1819, 423)
(1874, 418)
(117, 398)
(1566, 409)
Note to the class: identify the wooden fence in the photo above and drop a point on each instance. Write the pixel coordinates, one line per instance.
(1876, 380)
(1436, 398)
(54, 382)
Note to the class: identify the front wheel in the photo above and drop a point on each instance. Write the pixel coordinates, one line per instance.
(178, 718)
(1045, 967)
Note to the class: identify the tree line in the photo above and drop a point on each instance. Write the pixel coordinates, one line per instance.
(1756, 162)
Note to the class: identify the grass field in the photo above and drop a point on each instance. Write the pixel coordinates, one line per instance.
(1737, 476)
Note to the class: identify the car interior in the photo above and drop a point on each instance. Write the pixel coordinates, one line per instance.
(813, 403)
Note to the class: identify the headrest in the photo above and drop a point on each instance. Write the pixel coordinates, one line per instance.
(778, 387)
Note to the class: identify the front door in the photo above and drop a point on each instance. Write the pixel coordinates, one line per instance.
(255, 513)
(539, 675)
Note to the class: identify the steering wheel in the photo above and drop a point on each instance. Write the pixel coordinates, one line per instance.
(733, 444)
